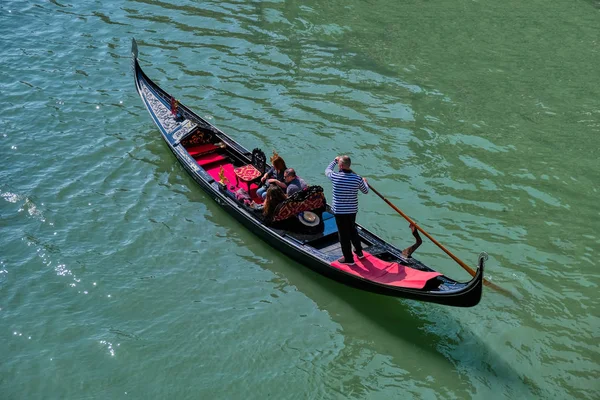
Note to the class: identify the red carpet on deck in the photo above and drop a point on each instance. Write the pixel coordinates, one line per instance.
(213, 170)
(388, 273)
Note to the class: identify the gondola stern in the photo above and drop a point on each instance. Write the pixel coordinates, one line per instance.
(483, 257)
(471, 293)
(477, 282)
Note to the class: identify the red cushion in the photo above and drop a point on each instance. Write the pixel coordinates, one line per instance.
(201, 149)
(247, 172)
(209, 159)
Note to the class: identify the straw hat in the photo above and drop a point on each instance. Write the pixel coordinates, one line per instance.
(309, 218)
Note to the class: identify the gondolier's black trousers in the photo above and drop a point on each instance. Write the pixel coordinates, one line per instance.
(346, 224)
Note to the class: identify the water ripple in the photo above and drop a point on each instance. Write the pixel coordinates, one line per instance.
(102, 228)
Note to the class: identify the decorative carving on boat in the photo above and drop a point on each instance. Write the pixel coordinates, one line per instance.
(174, 106)
(186, 127)
(197, 138)
(222, 178)
(162, 112)
(187, 159)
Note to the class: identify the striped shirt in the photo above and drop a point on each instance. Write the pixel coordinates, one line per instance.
(345, 190)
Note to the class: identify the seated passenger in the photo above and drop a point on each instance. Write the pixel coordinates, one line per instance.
(273, 175)
(294, 183)
(275, 196)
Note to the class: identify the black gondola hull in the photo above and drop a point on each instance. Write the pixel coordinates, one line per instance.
(456, 294)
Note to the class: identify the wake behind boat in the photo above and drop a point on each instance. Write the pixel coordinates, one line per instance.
(302, 226)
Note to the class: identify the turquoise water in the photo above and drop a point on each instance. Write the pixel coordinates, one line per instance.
(120, 278)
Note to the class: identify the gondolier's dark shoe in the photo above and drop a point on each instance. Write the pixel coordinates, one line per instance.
(343, 261)
(360, 255)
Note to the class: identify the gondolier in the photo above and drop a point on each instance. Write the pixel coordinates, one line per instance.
(346, 185)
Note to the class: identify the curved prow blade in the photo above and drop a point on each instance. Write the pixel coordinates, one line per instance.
(135, 67)
(134, 49)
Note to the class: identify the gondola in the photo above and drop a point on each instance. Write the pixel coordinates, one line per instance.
(302, 226)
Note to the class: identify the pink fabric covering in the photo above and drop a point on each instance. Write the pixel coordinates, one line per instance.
(388, 273)
(213, 170)
(200, 149)
(209, 159)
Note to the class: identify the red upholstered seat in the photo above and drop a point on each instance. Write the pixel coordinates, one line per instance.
(201, 149)
(292, 207)
(209, 159)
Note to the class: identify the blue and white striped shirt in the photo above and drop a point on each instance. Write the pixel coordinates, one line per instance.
(345, 190)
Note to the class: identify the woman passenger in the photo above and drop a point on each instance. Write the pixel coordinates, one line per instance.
(275, 173)
(275, 196)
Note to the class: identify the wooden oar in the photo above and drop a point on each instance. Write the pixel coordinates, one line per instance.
(462, 264)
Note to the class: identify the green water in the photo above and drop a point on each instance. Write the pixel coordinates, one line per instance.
(120, 278)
